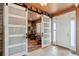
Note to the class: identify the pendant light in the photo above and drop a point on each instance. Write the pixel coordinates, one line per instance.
(76, 5)
(43, 4)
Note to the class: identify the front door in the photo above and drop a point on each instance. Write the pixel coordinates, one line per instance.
(46, 31)
(15, 30)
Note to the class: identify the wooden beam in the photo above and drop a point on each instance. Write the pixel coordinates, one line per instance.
(42, 12)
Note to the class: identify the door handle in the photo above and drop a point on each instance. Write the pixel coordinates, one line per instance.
(42, 34)
(26, 35)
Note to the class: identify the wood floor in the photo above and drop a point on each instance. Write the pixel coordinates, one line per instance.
(33, 45)
(52, 51)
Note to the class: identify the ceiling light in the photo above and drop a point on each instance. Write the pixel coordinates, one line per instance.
(30, 19)
(37, 15)
(76, 4)
(43, 4)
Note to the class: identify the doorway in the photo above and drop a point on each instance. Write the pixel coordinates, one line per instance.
(34, 31)
(39, 31)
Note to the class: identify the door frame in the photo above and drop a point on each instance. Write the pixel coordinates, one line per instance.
(5, 29)
(27, 29)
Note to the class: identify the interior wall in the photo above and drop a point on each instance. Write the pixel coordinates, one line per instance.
(38, 26)
(1, 28)
(29, 23)
(33, 24)
(77, 31)
(63, 29)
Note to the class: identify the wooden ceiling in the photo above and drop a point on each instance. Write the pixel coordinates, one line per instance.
(32, 16)
(52, 9)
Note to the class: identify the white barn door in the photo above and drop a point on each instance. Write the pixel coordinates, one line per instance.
(15, 30)
(46, 31)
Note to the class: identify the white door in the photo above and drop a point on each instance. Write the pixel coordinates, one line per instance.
(46, 31)
(15, 30)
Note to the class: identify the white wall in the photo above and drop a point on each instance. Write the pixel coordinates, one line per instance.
(63, 33)
(38, 27)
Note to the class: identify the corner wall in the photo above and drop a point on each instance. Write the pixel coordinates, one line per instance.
(77, 30)
(63, 29)
(1, 29)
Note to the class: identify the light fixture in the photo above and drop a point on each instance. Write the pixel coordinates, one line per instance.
(30, 18)
(76, 4)
(43, 4)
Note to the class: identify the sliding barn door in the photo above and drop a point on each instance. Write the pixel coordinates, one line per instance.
(15, 21)
(46, 31)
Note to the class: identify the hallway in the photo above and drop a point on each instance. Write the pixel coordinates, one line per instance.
(51, 51)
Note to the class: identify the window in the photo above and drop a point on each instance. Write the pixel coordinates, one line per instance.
(54, 32)
(73, 34)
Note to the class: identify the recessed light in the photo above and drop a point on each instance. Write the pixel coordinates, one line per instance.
(30, 18)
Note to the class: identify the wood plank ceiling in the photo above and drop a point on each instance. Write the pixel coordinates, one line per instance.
(51, 9)
(33, 16)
